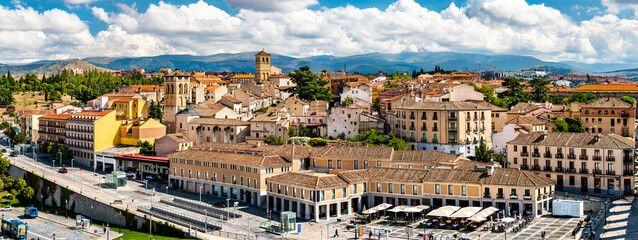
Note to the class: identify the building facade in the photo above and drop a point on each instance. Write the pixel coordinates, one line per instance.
(177, 92)
(609, 115)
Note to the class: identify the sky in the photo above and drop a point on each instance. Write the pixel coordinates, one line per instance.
(590, 31)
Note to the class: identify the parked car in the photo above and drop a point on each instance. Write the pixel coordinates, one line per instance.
(130, 174)
(149, 177)
(13, 154)
(220, 204)
(7, 208)
(63, 170)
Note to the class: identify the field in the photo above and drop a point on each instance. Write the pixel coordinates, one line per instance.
(32, 101)
(133, 235)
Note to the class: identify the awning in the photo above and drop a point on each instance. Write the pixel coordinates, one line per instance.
(466, 212)
(483, 137)
(469, 139)
(486, 212)
(413, 210)
(508, 220)
(398, 209)
(369, 211)
(477, 218)
(383, 206)
(444, 211)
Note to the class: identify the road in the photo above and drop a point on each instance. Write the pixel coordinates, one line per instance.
(44, 228)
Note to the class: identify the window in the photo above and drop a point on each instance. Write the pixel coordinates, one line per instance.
(338, 163)
(303, 193)
(356, 164)
(334, 193)
(437, 189)
(234, 179)
(527, 191)
(182, 172)
(314, 163)
(343, 192)
(402, 188)
(255, 183)
(286, 191)
(223, 178)
(378, 163)
(294, 192)
(390, 188)
(464, 190)
(215, 177)
(206, 176)
(190, 173)
(450, 189)
(174, 171)
(365, 164)
(241, 181)
(378, 187)
(248, 182)
(197, 174)
(414, 190)
(515, 160)
(354, 189)
(329, 163)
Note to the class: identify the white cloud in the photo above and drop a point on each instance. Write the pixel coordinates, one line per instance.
(270, 5)
(617, 6)
(79, 1)
(479, 26)
(99, 13)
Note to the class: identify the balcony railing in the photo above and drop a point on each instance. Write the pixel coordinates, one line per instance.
(625, 115)
(435, 129)
(559, 155)
(628, 173)
(536, 154)
(571, 156)
(596, 157)
(452, 117)
(524, 167)
(559, 169)
(536, 167)
(527, 197)
(487, 195)
(524, 154)
(513, 196)
(571, 170)
(499, 195)
(597, 171)
(452, 141)
(611, 172)
(584, 170)
(452, 129)
(627, 159)
(548, 155)
(611, 158)
(424, 129)
(583, 157)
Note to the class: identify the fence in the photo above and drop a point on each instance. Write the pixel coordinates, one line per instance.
(200, 207)
(180, 218)
(232, 235)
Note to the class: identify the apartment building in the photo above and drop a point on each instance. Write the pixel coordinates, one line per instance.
(324, 196)
(609, 115)
(91, 131)
(29, 123)
(601, 164)
(273, 123)
(454, 127)
(52, 128)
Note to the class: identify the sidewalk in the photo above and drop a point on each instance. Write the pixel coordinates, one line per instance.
(70, 222)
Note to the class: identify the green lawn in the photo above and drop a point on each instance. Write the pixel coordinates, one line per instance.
(133, 235)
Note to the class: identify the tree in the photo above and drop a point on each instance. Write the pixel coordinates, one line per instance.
(374, 138)
(568, 125)
(627, 99)
(309, 86)
(540, 89)
(147, 149)
(347, 101)
(397, 144)
(514, 93)
(483, 153)
(303, 130)
(316, 142)
(28, 192)
(391, 85)
(291, 131)
(5, 163)
(155, 111)
(273, 140)
(581, 97)
(20, 138)
(10, 132)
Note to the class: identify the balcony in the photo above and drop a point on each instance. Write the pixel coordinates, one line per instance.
(611, 158)
(597, 158)
(559, 169)
(611, 172)
(536, 154)
(412, 139)
(424, 129)
(412, 128)
(452, 129)
(452, 117)
(571, 170)
(547, 155)
(524, 167)
(624, 115)
(597, 171)
(547, 168)
(524, 154)
(435, 129)
(536, 167)
(627, 173)
(452, 141)
(584, 170)
(583, 157)
(559, 155)
(513, 196)
(527, 197)
(627, 159)
(487, 195)
(499, 195)
(571, 156)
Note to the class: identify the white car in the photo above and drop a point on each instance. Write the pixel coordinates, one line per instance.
(7, 208)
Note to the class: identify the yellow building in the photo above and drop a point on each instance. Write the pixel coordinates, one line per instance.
(140, 130)
(130, 108)
(90, 131)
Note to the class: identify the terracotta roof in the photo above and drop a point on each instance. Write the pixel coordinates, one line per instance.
(526, 120)
(210, 105)
(286, 150)
(232, 99)
(501, 176)
(178, 73)
(219, 121)
(349, 152)
(422, 156)
(238, 158)
(309, 180)
(124, 100)
(119, 95)
(212, 87)
(266, 117)
(580, 140)
(179, 137)
(354, 175)
(146, 87)
(525, 107)
(491, 106)
(56, 117)
(397, 174)
(80, 116)
(243, 76)
(608, 103)
(607, 88)
(443, 106)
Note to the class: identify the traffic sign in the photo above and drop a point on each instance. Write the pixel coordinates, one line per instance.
(321, 227)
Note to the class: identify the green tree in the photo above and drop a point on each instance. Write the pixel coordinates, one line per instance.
(628, 99)
(5, 163)
(291, 131)
(347, 101)
(303, 130)
(20, 138)
(273, 140)
(20, 185)
(374, 138)
(540, 89)
(28, 192)
(514, 93)
(309, 86)
(397, 144)
(316, 142)
(10, 132)
(155, 111)
(568, 125)
(581, 97)
(483, 153)
(146, 148)
(391, 85)
(376, 106)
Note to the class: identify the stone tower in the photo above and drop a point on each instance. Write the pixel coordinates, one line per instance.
(177, 92)
(262, 67)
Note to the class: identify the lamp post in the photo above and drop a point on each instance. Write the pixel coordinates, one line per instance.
(227, 206)
(201, 188)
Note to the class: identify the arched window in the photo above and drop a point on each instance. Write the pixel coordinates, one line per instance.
(600, 112)
(612, 112)
(606, 112)
(586, 111)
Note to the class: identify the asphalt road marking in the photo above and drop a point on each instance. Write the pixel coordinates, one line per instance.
(40, 236)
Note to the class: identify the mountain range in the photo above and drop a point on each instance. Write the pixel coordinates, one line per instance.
(363, 63)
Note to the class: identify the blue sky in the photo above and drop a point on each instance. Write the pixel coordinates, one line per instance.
(593, 31)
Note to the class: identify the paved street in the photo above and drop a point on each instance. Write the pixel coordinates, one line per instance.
(622, 214)
(46, 225)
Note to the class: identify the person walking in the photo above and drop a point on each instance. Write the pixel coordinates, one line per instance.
(370, 234)
(543, 235)
(336, 233)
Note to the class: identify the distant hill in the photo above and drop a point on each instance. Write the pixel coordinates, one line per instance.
(553, 70)
(48, 67)
(624, 73)
(363, 63)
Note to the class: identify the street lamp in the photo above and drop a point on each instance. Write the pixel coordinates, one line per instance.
(201, 188)
(227, 206)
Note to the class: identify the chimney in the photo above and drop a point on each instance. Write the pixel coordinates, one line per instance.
(490, 170)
